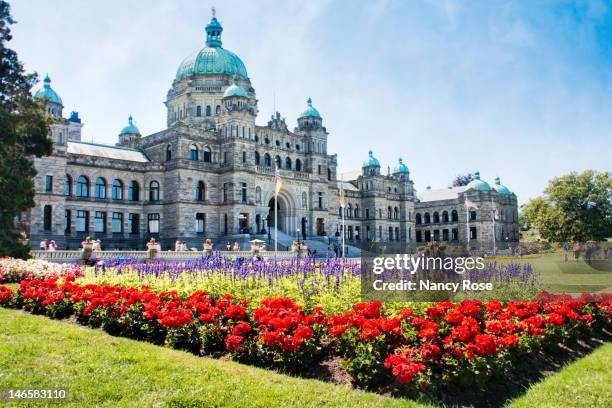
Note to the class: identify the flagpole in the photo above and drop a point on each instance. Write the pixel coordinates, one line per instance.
(493, 219)
(343, 212)
(275, 222)
(467, 219)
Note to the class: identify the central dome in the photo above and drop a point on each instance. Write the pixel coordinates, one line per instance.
(212, 59)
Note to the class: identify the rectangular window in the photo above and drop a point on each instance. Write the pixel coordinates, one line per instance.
(224, 192)
(200, 223)
(134, 220)
(244, 157)
(224, 157)
(243, 192)
(82, 221)
(117, 226)
(153, 223)
(48, 184)
(319, 169)
(225, 223)
(100, 221)
(67, 221)
(320, 201)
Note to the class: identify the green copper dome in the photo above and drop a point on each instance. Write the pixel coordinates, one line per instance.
(372, 161)
(503, 190)
(310, 112)
(47, 93)
(402, 167)
(212, 59)
(235, 90)
(478, 184)
(130, 128)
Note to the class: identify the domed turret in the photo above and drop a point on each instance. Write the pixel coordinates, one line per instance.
(54, 102)
(478, 184)
(130, 129)
(310, 111)
(402, 167)
(212, 59)
(372, 161)
(503, 190)
(235, 90)
(130, 135)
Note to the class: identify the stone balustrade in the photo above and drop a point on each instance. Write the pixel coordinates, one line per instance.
(75, 255)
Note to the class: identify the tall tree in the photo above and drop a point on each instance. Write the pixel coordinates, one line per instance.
(462, 179)
(24, 130)
(575, 207)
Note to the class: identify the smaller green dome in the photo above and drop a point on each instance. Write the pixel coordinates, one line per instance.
(48, 93)
(130, 129)
(310, 112)
(503, 190)
(235, 90)
(402, 167)
(372, 161)
(478, 184)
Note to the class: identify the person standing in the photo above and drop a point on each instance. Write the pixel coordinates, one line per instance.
(228, 246)
(52, 246)
(43, 245)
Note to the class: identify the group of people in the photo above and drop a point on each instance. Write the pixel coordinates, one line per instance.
(337, 250)
(182, 246)
(588, 250)
(51, 246)
(235, 248)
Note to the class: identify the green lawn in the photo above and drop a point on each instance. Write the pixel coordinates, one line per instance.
(572, 276)
(584, 383)
(104, 371)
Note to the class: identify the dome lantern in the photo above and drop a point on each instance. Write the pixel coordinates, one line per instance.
(477, 183)
(310, 111)
(130, 129)
(213, 31)
(503, 190)
(402, 167)
(48, 93)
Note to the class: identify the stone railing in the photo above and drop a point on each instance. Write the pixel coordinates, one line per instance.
(75, 255)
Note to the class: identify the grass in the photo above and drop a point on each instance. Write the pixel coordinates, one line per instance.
(104, 371)
(584, 383)
(558, 275)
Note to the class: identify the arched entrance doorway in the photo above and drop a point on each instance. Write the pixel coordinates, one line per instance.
(286, 218)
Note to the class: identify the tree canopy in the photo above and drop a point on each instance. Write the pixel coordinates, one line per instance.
(575, 207)
(462, 179)
(24, 133)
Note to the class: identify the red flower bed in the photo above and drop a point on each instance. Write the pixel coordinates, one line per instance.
(466, 342)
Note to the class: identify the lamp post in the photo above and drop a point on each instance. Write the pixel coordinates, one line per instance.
(297, 234)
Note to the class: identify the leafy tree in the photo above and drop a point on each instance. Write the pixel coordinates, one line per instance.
(575, 207)
(24, 133)
(463, 179)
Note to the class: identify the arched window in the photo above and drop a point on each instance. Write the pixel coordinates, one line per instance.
(329, 174)
(356, 210)
(349, 210)
(288, 163)
(68, 186)
(208, 111)
(100, 190)
(218, 109)
(445, 216)
(154, 191)
(340, 211)
(298, 165)
(256, 158)
(169, 153)
(267, 161)
(258, 195)
(207, 154)
(395, 213)
(427, 218)
(277, 161)
(198, 110)
(304, 198)
(472, 215)
(418, 219)
(193, 152)
(454, 216)
(389, 213)
(117, 193)
(436, 217)
(200, 193)
(134, 191)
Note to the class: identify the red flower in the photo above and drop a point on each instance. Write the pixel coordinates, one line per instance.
(337, 330)
(235, 312)
(241, 329)
(233, 342)
(304, 333)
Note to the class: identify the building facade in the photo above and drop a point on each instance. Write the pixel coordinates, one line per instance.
(211, 174)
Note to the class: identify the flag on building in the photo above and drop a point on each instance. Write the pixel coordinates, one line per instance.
(277, 179)
(495, 213)
(341, 195)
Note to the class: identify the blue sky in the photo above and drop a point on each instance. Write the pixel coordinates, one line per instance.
(520, 90)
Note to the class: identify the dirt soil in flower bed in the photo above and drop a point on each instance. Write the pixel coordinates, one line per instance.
(498, 392)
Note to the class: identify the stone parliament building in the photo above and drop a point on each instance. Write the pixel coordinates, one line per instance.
(211, 174)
